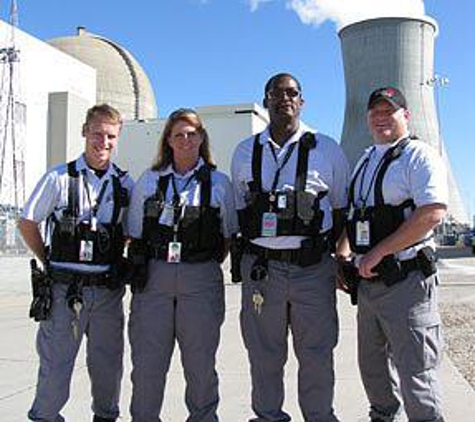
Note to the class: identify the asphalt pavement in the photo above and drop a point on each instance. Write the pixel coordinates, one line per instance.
(18, 360)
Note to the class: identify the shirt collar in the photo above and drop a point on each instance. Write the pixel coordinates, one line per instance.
(266, 137)
(81, 165)
(170, 170)
(381, 148)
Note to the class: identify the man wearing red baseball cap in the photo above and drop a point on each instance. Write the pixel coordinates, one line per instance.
(397, 196)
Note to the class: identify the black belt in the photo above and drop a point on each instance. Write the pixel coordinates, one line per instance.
(64, 276)
(190, 257)
(302, 257)
(391, 270)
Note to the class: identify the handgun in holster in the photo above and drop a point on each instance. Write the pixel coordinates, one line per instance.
(41, 287)
(352, 280)
(390, 270)
(427, 261)
(138, 265)
(236, 252)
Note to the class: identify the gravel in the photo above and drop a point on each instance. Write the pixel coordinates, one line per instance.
(459, 325)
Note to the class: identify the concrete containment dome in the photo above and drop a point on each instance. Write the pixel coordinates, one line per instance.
(121, 81)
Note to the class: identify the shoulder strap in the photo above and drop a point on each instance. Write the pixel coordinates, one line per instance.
(73, 189)
(257, 165)
(203, 176)
(391, 155)
(351, 188)
(162, 186)
(121, 173)
(117, 195)
(307, 142)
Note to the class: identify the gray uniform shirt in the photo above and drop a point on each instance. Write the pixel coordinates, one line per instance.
(50, 196)
(419, 173)
(327, 171)
(189, 190)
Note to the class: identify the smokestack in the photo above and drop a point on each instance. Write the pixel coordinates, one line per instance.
(393, 52)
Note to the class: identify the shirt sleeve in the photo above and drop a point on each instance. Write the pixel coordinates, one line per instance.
(135, 210)
(238, 165)
(228, 209)
(341, 176)
(428, 178)
(43, 199)
(128, 184)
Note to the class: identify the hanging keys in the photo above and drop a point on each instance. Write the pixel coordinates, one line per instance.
(76, 308)
(258, 301)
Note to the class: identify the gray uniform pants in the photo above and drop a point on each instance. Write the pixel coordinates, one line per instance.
(184, 303)
(102, 321)
(304, 301)
(399, 326)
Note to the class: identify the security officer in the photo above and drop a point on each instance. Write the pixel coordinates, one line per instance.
(182, 215)
(82, 203)
(398, 194)
(290, 189)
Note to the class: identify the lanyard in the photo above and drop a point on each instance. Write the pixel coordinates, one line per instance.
(364, 198)
(282, 165)
(177, 214)
(176, 193)
(94, 208)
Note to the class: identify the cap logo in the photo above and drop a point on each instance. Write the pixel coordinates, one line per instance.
(389, 92)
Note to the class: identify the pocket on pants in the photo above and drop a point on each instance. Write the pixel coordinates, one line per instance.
(426, 345)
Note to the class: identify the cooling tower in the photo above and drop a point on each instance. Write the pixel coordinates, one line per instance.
(397, 52)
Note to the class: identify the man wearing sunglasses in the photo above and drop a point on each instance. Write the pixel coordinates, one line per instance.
(290, 188)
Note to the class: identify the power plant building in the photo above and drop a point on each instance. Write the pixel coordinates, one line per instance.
(56, 82)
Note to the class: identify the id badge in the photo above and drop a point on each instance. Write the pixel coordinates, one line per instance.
(362, 233)
(282, 201)
(86, 250)
(174, 252)
(269, 224)
(167, 216)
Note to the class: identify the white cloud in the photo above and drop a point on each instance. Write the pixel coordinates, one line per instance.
(344, 12)
(256, 3)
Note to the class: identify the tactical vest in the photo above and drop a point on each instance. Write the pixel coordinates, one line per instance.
(297, 212)
(384, 219)
(198, 227)
(79, 242)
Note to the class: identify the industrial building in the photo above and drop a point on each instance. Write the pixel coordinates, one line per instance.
(48, 86)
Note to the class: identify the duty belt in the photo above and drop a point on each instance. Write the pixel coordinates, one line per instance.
(160, 254)
(391, 271)
(64, 276)
(302, 257)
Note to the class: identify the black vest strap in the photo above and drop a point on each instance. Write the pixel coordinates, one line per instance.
(307, 142)
(203, 176)
(257, 165)
(393, 154)
(73, 189)
(162, 186)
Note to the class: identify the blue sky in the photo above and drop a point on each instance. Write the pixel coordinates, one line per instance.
(206, 52)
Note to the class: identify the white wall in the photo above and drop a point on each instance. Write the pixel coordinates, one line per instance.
(226, 126)
(42, 70)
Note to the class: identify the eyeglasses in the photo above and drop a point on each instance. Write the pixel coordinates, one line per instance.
(281, 93)
(181, 136)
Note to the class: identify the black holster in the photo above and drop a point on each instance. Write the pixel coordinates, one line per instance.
(138, 266)
(352, 280)
(236, 253)
(41, 286)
